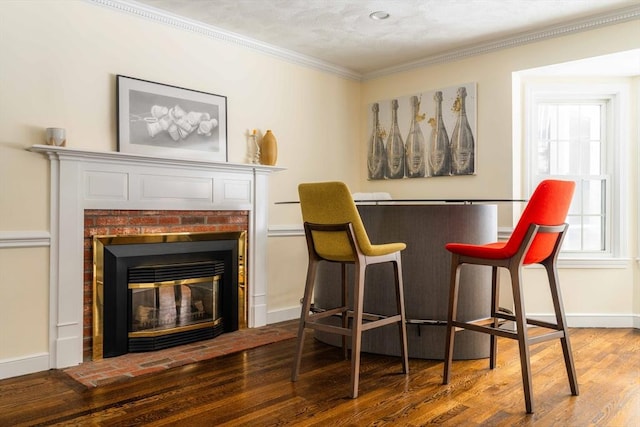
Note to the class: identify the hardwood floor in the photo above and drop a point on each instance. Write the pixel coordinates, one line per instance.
(253, 388)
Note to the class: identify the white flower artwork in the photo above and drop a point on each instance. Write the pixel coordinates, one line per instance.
(170, 121)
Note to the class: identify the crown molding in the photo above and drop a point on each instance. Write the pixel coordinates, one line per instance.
(160, 16)
(576, 26)
(24, 239)
(616, 17)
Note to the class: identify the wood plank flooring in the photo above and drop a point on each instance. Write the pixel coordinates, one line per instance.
(252, 388)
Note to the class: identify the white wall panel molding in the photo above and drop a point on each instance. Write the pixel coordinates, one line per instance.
(286, 230)
(24, 239)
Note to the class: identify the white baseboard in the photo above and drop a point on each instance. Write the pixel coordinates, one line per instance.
(24, 365)
(595, 320)
(286, 230)
(283, 315)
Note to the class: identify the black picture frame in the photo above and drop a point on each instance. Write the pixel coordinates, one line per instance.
(170, 121)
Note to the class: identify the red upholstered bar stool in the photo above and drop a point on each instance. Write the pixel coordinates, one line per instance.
(535, 240)
(335, 234)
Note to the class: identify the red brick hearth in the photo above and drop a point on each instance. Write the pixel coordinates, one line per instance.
(132, 222)
(114, 369)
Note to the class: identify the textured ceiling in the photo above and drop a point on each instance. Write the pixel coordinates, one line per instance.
(340, 32)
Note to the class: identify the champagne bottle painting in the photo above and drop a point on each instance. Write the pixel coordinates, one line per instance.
(395, 146)
(428, 134)
(376, 155)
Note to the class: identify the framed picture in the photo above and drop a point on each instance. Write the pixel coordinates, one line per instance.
(170, 121)
(424, 135)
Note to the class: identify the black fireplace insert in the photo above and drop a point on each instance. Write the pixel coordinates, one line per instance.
(155, 292)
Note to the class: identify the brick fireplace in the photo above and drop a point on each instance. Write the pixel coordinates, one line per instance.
(100, 222)
(125, 192)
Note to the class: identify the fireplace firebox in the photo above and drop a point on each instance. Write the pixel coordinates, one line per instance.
(158, 291)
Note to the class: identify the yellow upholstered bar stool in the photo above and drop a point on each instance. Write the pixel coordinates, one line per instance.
(335, 233)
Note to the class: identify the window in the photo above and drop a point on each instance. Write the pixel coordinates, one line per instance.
(570, 144)
(572, 134)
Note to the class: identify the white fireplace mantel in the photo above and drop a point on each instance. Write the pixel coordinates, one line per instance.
(108, 180)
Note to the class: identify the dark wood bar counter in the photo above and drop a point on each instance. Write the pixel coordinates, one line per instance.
(425, 228)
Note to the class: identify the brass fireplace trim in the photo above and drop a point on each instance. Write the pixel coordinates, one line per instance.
(168, 283)
(99, 241)
(176, 329)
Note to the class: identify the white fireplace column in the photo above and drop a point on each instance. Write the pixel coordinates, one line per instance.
(108, 180)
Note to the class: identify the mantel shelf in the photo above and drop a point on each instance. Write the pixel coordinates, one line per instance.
(74, 153)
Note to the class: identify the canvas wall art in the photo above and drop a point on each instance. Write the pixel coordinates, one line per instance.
(428, 134)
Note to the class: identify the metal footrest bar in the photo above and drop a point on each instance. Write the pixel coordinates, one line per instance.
(426, 322)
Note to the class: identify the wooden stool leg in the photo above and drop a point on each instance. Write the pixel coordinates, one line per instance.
(402, 324)
(356, 337)
(304, 316)
(345, 313)
(451, 316)
(561, 321)
(495, 306)
(523, 338)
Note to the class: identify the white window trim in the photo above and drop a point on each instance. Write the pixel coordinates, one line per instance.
(637, 97)
(618, 94)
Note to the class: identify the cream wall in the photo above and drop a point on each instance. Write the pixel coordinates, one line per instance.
(58, 61)
(593, 296)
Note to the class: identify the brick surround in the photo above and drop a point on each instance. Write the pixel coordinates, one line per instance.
(132, 222)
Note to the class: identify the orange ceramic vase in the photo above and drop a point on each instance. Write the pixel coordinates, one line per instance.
(268, 149)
